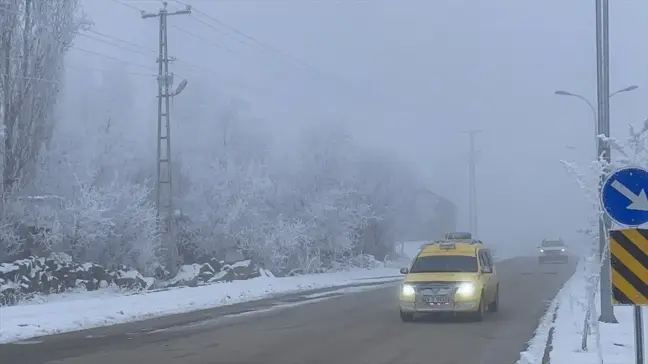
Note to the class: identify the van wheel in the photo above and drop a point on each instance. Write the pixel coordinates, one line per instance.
(407, 316)
(479, 315)
(494, 306)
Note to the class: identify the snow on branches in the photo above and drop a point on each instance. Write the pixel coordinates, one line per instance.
(85, 186)
(633, 151)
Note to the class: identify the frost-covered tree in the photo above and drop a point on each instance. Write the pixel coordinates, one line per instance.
(300, 208)
(295, 205)
(111, 221)
(34, 39)
(631, 151)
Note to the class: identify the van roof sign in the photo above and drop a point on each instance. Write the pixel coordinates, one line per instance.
(458, 236)
(447, 246)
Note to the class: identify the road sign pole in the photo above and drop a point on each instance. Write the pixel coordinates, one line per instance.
(639, 344)
(607, 310)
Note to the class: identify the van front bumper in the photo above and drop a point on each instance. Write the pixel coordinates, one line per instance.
(422, 307)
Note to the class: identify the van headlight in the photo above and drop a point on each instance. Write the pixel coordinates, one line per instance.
(466, 289)
(408, 290)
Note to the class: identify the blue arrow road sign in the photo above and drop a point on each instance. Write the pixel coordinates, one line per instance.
(623, 196)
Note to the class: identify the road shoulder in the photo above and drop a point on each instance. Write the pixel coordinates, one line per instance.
(614, 345)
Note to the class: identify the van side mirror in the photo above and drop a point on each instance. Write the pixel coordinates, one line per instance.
(404, 270)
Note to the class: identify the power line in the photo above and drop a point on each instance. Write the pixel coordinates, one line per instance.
(20, 59)
(113, 44)
(219, 24)
(249, 37)
(110, 57)
(105, 42)
(121, 40)
(127, 5)
(329, 79)
(190, 65)
(147, 49)
(109, 71)
(138, 47)
(220, 31)
(216, 45)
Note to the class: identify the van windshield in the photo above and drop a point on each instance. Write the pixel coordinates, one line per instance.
(444, 264)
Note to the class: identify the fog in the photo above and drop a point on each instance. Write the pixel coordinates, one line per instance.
(404, 79)
(424, 72)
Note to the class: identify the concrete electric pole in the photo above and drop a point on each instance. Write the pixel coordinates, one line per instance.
(163, 189)
(472, 182)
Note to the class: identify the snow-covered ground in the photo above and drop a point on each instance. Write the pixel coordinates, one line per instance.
(616, 340)
(614, 345)
(76, 311)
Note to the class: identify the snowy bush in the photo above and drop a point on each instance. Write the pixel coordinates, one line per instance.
(110, 225)
(215, 271)
(58, 273)
(633, 151)
(295, 214)
(30, 277)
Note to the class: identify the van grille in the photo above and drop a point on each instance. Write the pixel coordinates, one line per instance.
(419, 286)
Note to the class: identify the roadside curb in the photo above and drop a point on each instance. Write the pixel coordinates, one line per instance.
(538, 350)
(546, 357)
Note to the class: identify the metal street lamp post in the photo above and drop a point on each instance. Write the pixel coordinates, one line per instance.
(607, 312)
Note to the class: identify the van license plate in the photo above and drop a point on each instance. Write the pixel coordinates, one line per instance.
(436, 299)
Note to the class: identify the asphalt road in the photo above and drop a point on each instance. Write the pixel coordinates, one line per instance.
(327, 328)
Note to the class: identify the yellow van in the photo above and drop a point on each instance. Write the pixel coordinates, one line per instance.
(452, 275)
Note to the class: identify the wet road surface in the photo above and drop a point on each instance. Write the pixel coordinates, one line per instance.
(328, 327)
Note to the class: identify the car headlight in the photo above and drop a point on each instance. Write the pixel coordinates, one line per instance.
(541, 250)
(562, 250)
(466, 289)
(408, 290)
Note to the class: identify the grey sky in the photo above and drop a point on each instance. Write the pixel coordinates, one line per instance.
(421, 72)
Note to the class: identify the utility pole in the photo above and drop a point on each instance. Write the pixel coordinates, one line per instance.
(472, 184)
(603, 128)
(163, 188)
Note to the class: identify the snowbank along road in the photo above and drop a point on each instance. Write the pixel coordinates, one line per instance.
(324, 327)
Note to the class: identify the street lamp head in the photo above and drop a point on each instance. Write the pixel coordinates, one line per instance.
(180, 87)
(629, 88)
(563, 93)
